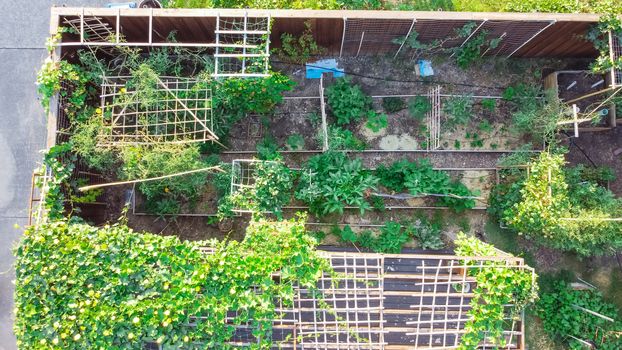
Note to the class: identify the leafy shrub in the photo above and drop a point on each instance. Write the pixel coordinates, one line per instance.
(538, 205)
(61, 163)
(79, 287)
(561, 317)
(347, 101)
(497, 285)
(271, 190)
(343, 139)
(329, 182)
(427, 234)
(393, 104)
(419, 178)
(376, 121)
(471, 51)
(346, 234)
(459, 111)
(84, 142)
(418, 107)
(301, 49)
(391, 239)
(141, 162)
(267, 148)
(532, 114)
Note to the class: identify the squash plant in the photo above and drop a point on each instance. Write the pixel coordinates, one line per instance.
(347, 101)
(83, 287)
(50, 80)
(331, 181)
(497, 286)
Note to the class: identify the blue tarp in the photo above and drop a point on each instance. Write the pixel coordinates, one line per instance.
(316, 69)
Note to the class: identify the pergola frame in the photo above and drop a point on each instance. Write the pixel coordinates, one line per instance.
(180, 113)
(388, 301)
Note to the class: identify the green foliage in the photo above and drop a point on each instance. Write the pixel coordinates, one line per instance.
(347, 101)
(599, 36)
(563, 6)
(50, 80)
(393, 104)
(422, 5)
(273, 182)
(497, 285)
(299, 50)
(82, 287)
(391, 239)
(343, 139)
(346, 234)
(532, 114)
(459, 111)
(267, 148)
(427, 234)
(418, 107)
(484, 126)
(474, 48)
(329, 182)
(60, 162)
(259, 4)
(561, 317)
(419, 178)
(85, 140)
(376, 121)
(538, 207)
(165, 196)
(295, 142)
(489, 103)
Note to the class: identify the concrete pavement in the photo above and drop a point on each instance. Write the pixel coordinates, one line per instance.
(23, 30)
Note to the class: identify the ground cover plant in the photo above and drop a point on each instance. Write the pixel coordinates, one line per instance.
(79, 286)
(418, 178)
(562, 310)
(347, 101)
(331, 181)
(559, 208)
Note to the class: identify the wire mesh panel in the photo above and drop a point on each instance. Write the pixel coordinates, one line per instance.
(346, 310)
(616, 54)
(430, 30)
(370, 36)
(242, 46)
(513, 35)
(433, 117)
(172, 110)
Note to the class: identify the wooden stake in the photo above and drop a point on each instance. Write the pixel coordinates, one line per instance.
(92, 187)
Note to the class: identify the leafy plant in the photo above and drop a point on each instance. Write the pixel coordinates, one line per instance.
(347, 101)
(497, 285)
(346, 234)
(459, 111)
(427, 234)
(376, 121)
(61, 164)
(393, 104)
(391, 239)
(558, 208)
(267, 148)
(343, 139)
(50, 80)
(299, 50)
(418, 107)
(471, 51)
(489, 103)
(271, 190)
(484, 126)
(562, 317)
(141, 162)
(295, 142)
(79, 286)
(329, 182)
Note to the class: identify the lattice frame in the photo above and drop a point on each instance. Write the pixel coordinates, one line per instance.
(615, 51)
(92, 29)
(433, 117)
(243, 178)
(178, 111)
(242, 46)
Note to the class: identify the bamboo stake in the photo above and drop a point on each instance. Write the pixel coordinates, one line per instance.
(92, 187)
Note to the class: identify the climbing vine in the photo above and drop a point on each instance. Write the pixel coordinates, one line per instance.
(83, 287)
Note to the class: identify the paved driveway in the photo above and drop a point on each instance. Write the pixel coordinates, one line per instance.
(24, 26)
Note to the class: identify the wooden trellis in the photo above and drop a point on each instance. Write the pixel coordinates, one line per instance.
(178, 110)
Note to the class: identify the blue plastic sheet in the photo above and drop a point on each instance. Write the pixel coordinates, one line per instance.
(316, 69)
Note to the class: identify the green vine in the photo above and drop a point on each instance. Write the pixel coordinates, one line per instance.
(497, 285)
(82, 287)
